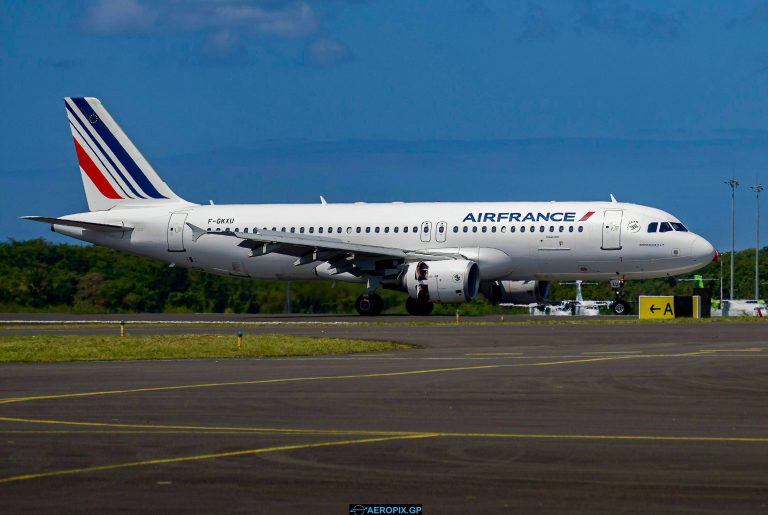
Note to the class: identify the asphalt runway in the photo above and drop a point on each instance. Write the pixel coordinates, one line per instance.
(641, 418)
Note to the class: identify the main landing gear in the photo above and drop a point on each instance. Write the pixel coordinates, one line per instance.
(418, 307)
(369, 305)
(619, 305)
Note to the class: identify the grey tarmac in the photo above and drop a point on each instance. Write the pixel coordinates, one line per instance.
(564, 418)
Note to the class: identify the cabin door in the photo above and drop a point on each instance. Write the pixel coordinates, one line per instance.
(612, 229)
(176, 232)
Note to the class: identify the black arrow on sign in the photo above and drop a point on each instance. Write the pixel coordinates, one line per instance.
(654, 309)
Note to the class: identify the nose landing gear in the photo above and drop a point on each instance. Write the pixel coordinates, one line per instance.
(619, 305)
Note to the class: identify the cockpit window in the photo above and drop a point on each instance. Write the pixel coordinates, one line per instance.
(653, 226)
(665, 227)
(679, 227)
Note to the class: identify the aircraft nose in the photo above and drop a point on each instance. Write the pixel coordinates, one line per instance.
(702, 250)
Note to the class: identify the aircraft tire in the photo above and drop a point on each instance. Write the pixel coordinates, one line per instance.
(418, 308)
(621, 307)
(369, 305)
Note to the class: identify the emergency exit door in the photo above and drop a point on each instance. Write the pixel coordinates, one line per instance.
(612, 229)
(176, 232)
(441, 228)
(426, 231)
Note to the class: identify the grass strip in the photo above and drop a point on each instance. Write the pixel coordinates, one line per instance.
(55, 348)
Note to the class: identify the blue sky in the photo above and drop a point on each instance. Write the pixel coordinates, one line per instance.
(284, 100)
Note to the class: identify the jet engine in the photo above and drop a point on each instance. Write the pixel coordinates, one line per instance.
(449, 281)
(515, 292)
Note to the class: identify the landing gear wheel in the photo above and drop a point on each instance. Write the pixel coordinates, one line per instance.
(369, 305)
(621, 307)
(418, 308)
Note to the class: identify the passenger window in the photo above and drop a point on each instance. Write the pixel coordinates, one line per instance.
(338, 230)
(376, 229)
(237, 229)
(493, 229)
(485, 229)
(349, 230)
(570, 228)
(245, 229)
(227, 230)
(396, 229)
(512, 228)
(653, 226)
(664, 227)
(293, 229)
(522, 228)
(209, 229)
(368, 229)
(282, 229)
(465, 229)
(320, 230)
(561, 228)
(503, 228)
(474, 229)
(541, 229)
(441, 229)
(311, 230)
(455, 228)
(405, 229)
(416, 229)
(533, 228)
(301, 230)
(358, 230)
(551, 228)
(274, 229)
(581, 228)
(218, 229)
(386, 229)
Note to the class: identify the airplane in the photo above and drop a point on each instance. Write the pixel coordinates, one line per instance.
(445, 252)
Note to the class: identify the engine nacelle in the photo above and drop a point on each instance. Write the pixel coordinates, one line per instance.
(515, 292)
(449, 281)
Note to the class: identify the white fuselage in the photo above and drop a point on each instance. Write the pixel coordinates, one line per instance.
(508, 240)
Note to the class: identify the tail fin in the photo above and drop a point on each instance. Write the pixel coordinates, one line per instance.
(112, 168)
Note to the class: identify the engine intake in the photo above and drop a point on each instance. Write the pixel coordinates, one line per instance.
(449, 281)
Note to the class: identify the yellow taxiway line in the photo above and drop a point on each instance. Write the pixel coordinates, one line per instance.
(345, 376)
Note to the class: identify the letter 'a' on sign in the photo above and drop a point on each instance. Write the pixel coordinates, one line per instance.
(657, 307)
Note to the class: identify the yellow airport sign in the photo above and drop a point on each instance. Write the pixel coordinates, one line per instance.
(659, 307)
(663, 307)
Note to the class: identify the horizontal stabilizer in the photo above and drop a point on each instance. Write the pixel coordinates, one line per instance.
(91, 226)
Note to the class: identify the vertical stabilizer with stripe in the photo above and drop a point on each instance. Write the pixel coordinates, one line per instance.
(113, 170)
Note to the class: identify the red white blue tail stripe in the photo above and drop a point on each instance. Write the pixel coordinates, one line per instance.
(108, 158)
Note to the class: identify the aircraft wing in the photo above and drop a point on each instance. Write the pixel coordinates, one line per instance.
(312, 248)
(91, 226)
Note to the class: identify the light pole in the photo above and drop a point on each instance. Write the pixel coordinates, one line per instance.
(757, 188)
(733, 183)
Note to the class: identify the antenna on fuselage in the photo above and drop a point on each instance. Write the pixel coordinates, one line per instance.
(322, 200)
(613, 199)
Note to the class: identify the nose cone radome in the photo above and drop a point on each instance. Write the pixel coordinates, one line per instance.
(703, 251)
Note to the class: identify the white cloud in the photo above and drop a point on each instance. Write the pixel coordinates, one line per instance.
(288, 19)
(327, 51)
(120, 16)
